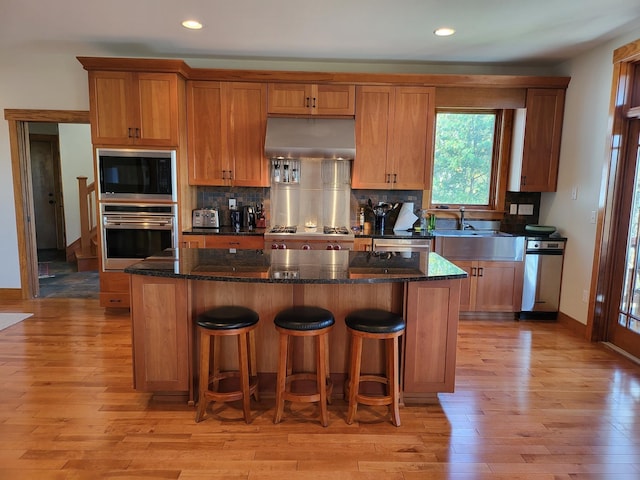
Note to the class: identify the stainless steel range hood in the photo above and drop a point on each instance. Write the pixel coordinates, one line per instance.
(310, 138)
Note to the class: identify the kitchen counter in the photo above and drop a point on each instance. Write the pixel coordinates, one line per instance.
(297, 266)
(170, 290)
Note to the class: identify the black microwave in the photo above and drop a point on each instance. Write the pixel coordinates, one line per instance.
(132, 174)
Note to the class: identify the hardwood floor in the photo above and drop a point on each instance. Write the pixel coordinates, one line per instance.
(532, 401)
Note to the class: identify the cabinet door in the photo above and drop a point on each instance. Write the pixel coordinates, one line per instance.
(111, 103)
(431, 337)
(498, 286)
(205, 134)
(410, 137)
(160, 329)
(290, 98)
(541, 149)
(246, 113)
(333, 100)
(156, 109)
(373, 110)
(467, 285)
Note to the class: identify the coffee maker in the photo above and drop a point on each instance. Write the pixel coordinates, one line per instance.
(248, 217)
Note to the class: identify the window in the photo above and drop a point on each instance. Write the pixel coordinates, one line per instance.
(465, 158)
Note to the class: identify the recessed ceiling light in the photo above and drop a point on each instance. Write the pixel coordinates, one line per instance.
(192, 24)
(444, 32)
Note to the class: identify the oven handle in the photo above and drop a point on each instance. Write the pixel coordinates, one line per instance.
(136, 223)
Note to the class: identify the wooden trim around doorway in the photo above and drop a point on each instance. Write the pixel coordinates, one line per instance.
(21, 194)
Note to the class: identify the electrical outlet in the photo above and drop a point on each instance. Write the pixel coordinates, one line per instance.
(232, 203)
(592, 218)
(574, 193)
(525, 209)
(513, 209)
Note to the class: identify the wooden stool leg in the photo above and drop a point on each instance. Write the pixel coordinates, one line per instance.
(392, 375)
(253, 370)
(321, 377)
(354, 376)
(281, 377)
(203, 383)
(243, 366)
(328, 368)
(214, 371)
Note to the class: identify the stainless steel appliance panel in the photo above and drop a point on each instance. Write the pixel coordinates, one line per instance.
(136, 174)
(132, 232)
(401, 244)
(542, 279)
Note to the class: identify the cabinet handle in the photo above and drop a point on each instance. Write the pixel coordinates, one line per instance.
(230, 174)
(115, 301)
(395, 178)
(137, 132)
(481, 271)
(314, 102)
(388, 178)
(234, 243)
(129, 133)
(474, 271)
(307, 102)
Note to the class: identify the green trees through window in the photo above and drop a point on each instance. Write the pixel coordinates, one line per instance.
(463, 159)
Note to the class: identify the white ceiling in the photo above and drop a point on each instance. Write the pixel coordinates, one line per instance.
(506, 32)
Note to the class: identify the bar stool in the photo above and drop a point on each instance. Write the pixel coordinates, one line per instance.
(303, 321)
(214, 324)
(379, 325)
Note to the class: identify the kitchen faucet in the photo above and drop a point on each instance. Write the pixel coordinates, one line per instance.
(463, 225)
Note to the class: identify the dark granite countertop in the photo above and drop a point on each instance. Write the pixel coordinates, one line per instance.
(297, 266)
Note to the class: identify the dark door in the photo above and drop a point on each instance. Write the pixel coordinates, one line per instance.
(47, 192)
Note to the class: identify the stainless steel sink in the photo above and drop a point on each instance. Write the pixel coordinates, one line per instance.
(479, 245)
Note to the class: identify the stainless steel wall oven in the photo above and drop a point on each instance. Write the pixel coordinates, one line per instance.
(132, 232)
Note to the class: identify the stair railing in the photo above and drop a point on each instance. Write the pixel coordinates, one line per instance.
(88, 220)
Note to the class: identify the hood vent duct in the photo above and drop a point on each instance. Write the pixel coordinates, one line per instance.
(332, 138)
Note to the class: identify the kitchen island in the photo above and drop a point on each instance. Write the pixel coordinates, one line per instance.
(170, 290)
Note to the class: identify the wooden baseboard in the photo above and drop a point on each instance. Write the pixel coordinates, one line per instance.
(572, 324)
(10, 294)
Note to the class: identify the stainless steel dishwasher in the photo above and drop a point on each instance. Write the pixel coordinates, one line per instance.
(542, 278)
(401, 245)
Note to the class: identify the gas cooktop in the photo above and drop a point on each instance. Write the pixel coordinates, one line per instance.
(295, 230)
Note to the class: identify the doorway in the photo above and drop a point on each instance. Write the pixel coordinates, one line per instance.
(616, 312)
(23, 181)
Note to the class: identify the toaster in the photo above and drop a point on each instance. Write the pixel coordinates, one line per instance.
(205, 218)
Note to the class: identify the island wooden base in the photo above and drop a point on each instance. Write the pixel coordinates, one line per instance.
(164, 348)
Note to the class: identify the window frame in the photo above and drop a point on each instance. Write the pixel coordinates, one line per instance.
(501, 144)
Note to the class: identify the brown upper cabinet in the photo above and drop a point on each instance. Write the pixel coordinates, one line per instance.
(536, 141)
(311, 99)
(226, 126)
(394, 137)
(134, 108)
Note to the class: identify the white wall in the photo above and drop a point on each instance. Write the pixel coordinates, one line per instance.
(582, 158)
(76, 158)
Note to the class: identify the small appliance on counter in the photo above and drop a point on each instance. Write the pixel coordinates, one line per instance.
(205, 218)
(248, 217)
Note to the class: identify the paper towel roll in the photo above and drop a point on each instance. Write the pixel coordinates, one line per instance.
(406, 217)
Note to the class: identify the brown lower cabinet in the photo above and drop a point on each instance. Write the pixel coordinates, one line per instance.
(114, 290)
(491, 286)
(223, 241)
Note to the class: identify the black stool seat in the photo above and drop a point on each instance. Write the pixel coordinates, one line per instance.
(304, 318)
(372, 320)
(228, 317)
